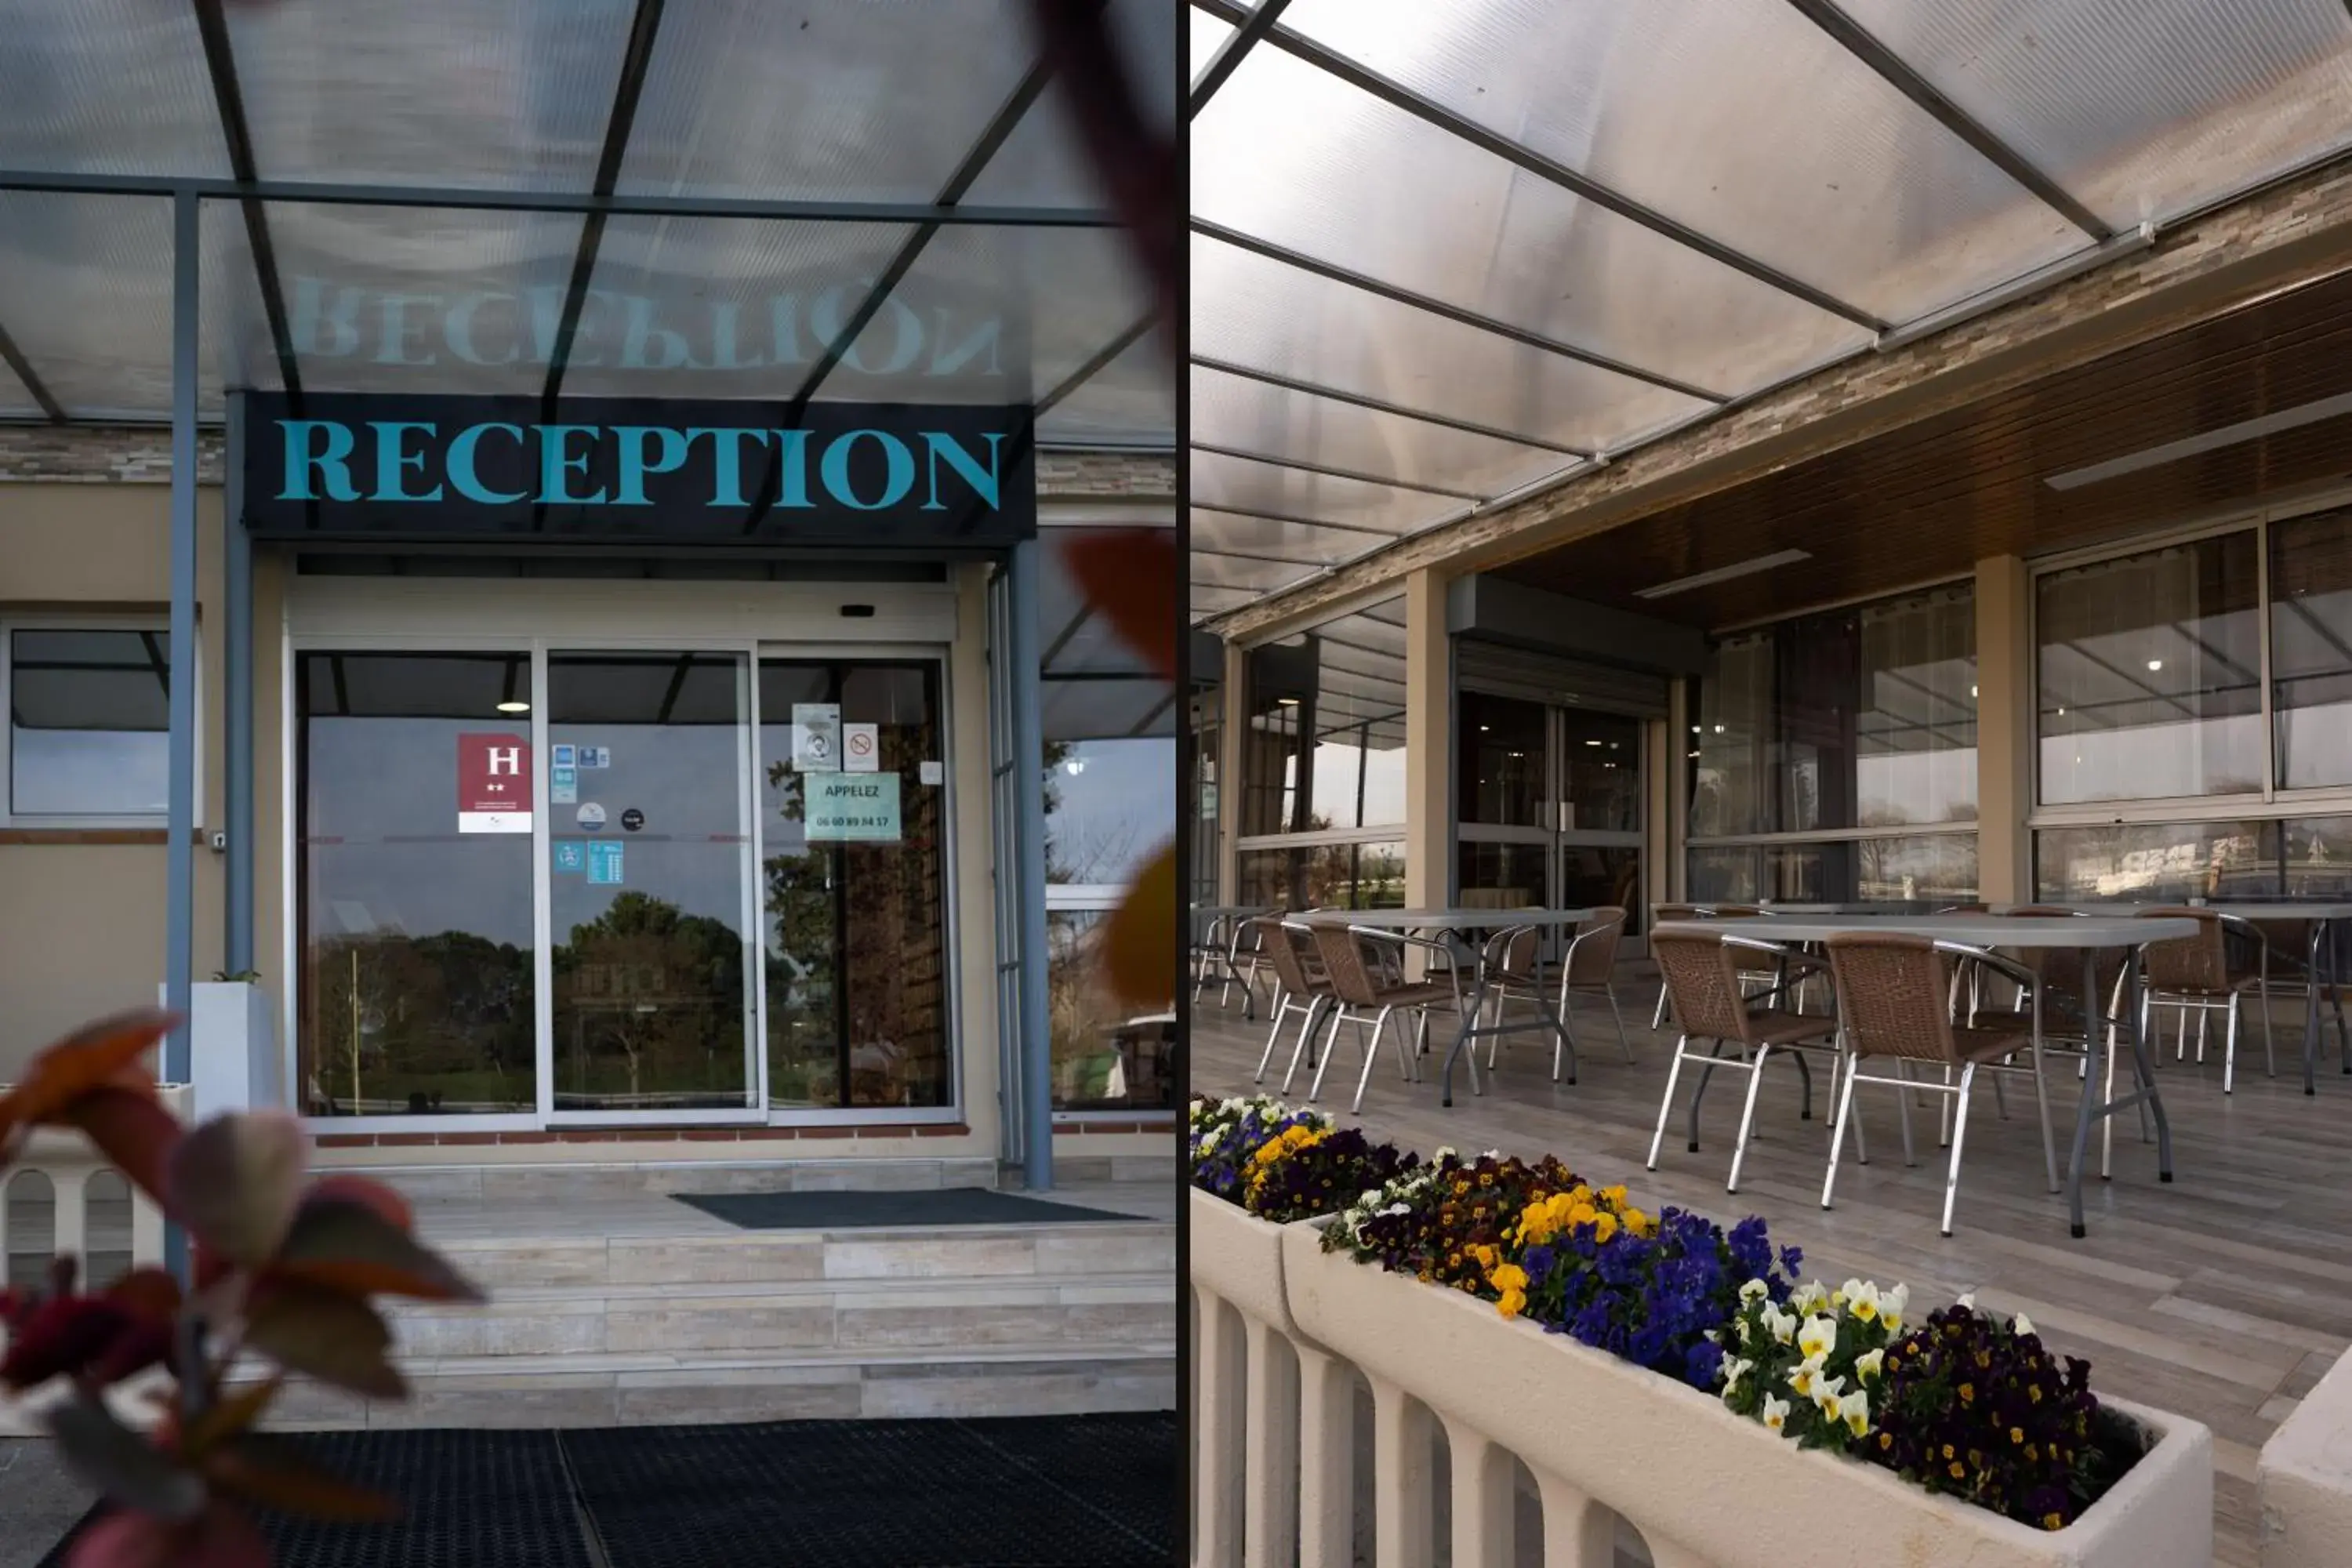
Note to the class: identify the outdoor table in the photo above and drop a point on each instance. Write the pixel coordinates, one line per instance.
(2321, 918)
(2088, 934)
(1453, 925)
(1207, 917)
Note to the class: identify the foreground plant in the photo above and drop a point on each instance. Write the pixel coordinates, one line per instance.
(1808, 1366)
(1227, 1134)
(1307, 1172)
(1450, 1226)
(285, 1270)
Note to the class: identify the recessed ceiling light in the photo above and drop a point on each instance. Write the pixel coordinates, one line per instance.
(1592, 742)
(514, 707)
(1719, 729)
(2155, 664)
(1287, 701)
(1972, 691)
(1726, 573)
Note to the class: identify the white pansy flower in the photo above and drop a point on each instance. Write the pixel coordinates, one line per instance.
(1968, 1303)
(1855, 1411)
(1753, 1291)
(1779, 1324)
(1827, 1394)
(1776, 1412)
(1862, 1299)
(1746, 1330)
(1868, 1368)
(2022, 1326)
(1891, 1308)
(1734, 1369)
(1819, 1336)
(1806, 1380)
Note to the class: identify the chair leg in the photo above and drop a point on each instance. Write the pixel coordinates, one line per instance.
(1419, 1044)
(1305, 1031)
(2270, 1059)
(2042, 1101)
(1330, 1048)
(1959, 1134)
(2107, 1091)
(1658, 1018)
(1837, 1129)
(1273, 1035)
(1666, 1104)
(1698, 1092)
(2000, 1099)
(1408, 1064)
(1563, 1043)
(1903, 1071)
(1623, 1039)
(1805, 1072)
(1372, 1047)
(2230, 1048)
(2204, 1016)
(1747, 1115)
(1944, 1114)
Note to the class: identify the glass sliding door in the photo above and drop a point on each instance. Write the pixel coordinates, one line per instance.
(414, 911)
(649, 838)
(1550, 806)
(853, 921)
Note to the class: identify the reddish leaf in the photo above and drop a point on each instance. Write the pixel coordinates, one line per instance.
(63, 1337)
(1139, 943)
(231, 1418)
(220, 1538)
(77, 1064)
(326, 1335)
(146, 1293)
(264, 1470)
(1133, 576)
(129, 1470)
(235, 1182)
(367, 1191)
(343, 1245)
(133, 1131)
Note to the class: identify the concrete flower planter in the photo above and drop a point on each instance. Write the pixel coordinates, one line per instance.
(1692, 1476)
(1238, 1257)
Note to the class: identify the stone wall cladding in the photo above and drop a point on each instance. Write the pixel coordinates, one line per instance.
(141, 455)
(2294, 232)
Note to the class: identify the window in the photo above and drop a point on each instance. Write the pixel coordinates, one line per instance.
(1833, 758)
(89, 723)
(2311, 648)
(2150, 675)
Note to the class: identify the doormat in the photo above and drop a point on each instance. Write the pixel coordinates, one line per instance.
(863, 1211)
(1078, 1491)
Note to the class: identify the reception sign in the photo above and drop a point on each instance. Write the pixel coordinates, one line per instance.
(425, 468)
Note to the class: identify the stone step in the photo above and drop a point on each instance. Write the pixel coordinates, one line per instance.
(1039, 1251)
(533, 1392)
(851, 1315)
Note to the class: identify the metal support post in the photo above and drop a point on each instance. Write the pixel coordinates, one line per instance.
(1022, 672)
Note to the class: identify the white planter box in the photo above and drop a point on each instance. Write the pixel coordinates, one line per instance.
(1238, 1257)
(1688, 1473)
(233, 1058)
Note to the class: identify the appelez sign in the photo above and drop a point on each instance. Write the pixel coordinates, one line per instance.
(400, 468)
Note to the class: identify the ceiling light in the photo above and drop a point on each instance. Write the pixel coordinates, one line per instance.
(1287, 701)
(2155, 664)
(2227, 436)
(1483, 728)
(514, 707)
(1592, 742)
(1719, 729)
(1972, 691)
(1726, 573)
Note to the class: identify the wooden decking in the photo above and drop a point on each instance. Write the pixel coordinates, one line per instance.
(2223, 1297)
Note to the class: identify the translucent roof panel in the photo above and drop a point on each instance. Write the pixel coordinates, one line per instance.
(1701, 109)
(1129, 402)
(1207, 35)
(842, 99)
(1062, 295)
(740, 307)
(2140, 108)
(1250, 311)
(1241, 414)
(1235, 485)
(441, 92)
(1289, 153)
(86, 292)
(112, 87)
(1106, 709)
(16, 402)
(1236, 571)
(406, 300)
(1276, 539)
(1039, 163)
(1210, 600)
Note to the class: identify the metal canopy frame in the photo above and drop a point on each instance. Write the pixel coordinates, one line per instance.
(1900, 55)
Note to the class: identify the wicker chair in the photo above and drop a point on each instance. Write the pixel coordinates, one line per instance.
(1221, 954)
(1894, 1002)
(1358, 988)
(1659, 913)
(2285, 969)
(1591, 967)
(1300, 988)
(2193, 974)
(1512, 961)
(1704, 974)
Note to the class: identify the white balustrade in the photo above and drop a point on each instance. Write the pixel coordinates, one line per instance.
(59, 1169)
(1285, 1331)
(2303, 1479)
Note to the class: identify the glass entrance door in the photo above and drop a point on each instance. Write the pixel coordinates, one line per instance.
(1550, 805)
(649, 852)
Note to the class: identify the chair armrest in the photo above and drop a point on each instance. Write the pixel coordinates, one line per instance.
(1789, 955)
(1997, 962)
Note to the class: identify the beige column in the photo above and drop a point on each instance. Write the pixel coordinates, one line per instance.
(1428, 742)
(2004, 596)
(1233, 735)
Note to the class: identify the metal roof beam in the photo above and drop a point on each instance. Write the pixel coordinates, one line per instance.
(1437, 307)
(643, 28)
(1087, 372)
(1427, 109)
(228, 99)
(14, 357)
(463, 198)
(1302, 466)
(1898, 74)
(1229, 59)
(1316, 389)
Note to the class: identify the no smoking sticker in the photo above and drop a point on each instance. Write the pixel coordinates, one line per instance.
(861, 748)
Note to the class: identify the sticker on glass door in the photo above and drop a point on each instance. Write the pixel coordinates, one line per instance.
(493, 783)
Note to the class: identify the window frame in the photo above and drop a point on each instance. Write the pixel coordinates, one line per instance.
(2273, 800)
(71, 621)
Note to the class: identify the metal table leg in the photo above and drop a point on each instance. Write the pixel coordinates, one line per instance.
(2144, 1090)
(1474, 1008)
(2311, 1008)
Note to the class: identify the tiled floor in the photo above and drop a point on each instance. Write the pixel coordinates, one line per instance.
(2223, 1297)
